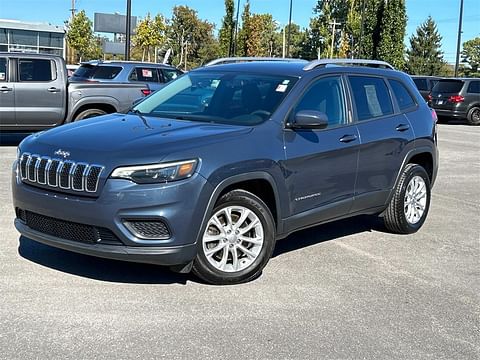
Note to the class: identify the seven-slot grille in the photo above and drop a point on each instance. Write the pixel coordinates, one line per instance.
(64, 174)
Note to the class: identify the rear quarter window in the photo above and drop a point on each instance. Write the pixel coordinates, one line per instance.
(371, 97)
(404, 99)
(421, 84)
(106, 72)
(473, 88)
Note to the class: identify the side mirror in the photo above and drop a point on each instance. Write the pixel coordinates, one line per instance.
(309, 119)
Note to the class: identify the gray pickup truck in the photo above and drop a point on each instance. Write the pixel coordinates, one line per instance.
(35, 93)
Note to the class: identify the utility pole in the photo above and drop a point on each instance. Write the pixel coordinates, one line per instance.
(73, 8)
(459, 39)
(236, 30)
(334, 27)
(362, 21)
(128, 29)
(289, 29)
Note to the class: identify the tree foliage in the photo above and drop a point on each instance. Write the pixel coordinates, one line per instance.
(150, 33)
(425, 56)
(471, 56)
(393, 23)
(80, 36)
(225, 35)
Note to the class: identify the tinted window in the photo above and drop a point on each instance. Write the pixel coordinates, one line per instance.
(50, 39)
(326, 96)
(421, 84)
(89, 71)
(144, 74)
(404, 99)
(170, 75)
(23, 37)
(371, 97)
(3, 69)
(448, 86)
(35, 70)
(219, 97)
(474, 87)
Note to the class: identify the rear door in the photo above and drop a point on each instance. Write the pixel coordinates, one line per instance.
(40, 92)
(7, 91)
(385, 134)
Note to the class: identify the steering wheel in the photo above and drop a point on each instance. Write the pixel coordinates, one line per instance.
(262, 113)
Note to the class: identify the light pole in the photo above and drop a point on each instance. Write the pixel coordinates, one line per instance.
(128, 24)
(361, 30)
(459, 39)
(289, 29)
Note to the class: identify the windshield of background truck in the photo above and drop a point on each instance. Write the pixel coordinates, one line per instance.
(219, 97)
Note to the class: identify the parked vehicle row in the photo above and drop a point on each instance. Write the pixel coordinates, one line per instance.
(210, 170)
(35, 93)
(452, 98)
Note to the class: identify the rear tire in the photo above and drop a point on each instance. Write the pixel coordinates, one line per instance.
(410, 203)
(473, 116)
(89, 113)
(238, 240)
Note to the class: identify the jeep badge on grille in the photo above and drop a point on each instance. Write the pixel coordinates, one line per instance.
(62, 153)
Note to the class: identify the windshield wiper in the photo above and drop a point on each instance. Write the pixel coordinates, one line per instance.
(139, 114)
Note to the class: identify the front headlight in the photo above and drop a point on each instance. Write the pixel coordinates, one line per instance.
(156, 173)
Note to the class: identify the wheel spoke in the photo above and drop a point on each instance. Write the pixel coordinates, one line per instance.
(234, 258)
(244, 215)
(213, 251)
(223, 262)
(249, 227)
(210, 238)
(247, 252)
(256, 240)
(228, 216)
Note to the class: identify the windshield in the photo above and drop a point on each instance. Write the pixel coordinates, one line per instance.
(219, 97)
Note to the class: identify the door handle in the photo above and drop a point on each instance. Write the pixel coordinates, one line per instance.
(53, 90)
(4, 89)
(402, 127)
(348, 138)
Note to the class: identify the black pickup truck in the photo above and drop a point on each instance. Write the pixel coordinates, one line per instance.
(35, 93)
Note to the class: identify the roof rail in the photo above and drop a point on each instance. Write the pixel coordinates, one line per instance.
(229, 60)
(358, 62)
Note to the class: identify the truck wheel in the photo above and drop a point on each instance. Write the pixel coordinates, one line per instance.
(89, 113)
(238, 240)
(410, 203)
(473, 116)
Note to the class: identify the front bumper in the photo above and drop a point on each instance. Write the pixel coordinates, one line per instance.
(181, 205)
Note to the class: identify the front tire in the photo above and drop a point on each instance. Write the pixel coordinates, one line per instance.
(410, 203)
(238, 240)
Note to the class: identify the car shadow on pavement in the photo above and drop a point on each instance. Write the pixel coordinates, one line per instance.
(329, 231)
(98, 268)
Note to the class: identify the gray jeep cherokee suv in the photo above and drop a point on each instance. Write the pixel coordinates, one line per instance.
(208, 172)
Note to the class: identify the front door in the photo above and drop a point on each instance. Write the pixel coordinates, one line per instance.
(321, 165)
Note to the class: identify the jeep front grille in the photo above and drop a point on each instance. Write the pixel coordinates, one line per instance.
(58, 173)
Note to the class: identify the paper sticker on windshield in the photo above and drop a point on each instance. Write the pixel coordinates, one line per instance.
(2, 76)
(286, 82)
(147, 73)
(281, 88)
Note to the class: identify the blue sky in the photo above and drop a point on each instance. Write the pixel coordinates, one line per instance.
(444, 12)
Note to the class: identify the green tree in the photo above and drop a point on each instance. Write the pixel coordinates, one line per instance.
(80, 35)
(150, 33)
(192, 39)
(226, 31)
(471, 56)
(425, 56)
(246, 31)
(393, 23)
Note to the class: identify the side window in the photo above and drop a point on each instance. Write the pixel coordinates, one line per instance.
(106, 72)
(36, 70)
(170, 75)
(421, 84)
(473, 88)
(326, 95)
(3, 69)
(404, 99)
(371, 97)
(144, 74)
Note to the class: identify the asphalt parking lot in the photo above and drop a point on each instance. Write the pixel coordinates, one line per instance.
(345, 290)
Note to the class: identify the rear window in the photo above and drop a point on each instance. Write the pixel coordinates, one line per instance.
(371, 96)
(421, 84)
(98, 72)
(448, 86)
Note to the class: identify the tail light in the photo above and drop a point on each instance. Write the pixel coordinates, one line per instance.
(456, 99)
(146, 92)
(429, 97)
